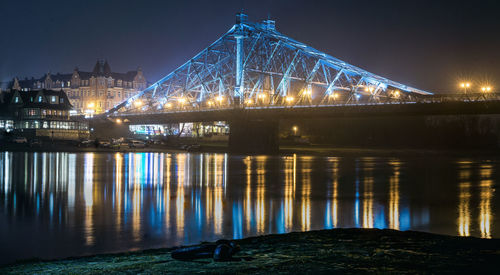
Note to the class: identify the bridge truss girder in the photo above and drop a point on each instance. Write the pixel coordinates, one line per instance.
(274, 71)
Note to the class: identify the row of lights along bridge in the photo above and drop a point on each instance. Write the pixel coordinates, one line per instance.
(259, 99)
(466, 86)
(263, 98)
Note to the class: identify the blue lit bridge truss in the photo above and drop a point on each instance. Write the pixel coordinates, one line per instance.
(255, 66)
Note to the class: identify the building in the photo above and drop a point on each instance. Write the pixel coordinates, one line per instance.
(89, 92)
(40, 113)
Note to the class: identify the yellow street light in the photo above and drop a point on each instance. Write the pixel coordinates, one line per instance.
(334, 95)
(486, 89)
(118, 121)
(181, 100)
(219, 98)
(248, 102)
(91, 105)
(295, 128)
(465, 84)
(210, 103)
(138, 103)
(261, 96)
(289, 99)
(397, 93)
(168, 105)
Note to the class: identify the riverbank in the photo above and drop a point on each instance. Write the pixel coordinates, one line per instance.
(325, 251)
(206, 147)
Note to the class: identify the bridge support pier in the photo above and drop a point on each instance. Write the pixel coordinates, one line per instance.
(253, 136)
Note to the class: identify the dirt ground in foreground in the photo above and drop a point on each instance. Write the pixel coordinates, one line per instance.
(318, 252)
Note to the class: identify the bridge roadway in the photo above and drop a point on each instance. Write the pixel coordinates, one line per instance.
(329, 111)
(255, 129)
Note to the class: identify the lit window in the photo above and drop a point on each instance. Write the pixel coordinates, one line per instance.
(16, 100)
(53, 99)
(40, 99)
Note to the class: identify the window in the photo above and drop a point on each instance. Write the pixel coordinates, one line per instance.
(40, 99)
(31, 99)
(16, 100)
(61, 100)
(53, 99)
(31, 112)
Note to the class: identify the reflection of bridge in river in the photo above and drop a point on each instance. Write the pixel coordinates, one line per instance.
(207, 196)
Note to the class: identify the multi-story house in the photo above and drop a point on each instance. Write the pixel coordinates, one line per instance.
(40, 113)
(89, 92)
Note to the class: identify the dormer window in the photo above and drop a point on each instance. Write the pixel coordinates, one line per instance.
(53, 99)
(16, 99)
(40, 99)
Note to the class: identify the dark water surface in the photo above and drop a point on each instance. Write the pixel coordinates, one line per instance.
(69, 204)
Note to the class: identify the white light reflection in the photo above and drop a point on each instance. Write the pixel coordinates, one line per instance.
(88, 185)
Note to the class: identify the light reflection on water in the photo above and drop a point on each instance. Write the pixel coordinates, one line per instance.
(69, 204)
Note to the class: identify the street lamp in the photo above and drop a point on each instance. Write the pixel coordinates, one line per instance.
(334, 95)
(138, 103)
(295, 128)
(289, 99)
(465, 86)
(486, 89)
(118, 121)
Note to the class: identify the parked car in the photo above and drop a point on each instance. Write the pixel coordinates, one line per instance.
(104, 143)
(35, 142)
(193, 148)
(137, 144)
(20, 140)
(86, 143)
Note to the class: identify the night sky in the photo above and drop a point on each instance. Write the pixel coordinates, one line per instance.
(430, 45)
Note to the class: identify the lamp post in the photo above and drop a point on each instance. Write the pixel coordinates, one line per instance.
(465, 86)
(295, 129)
(485, 90)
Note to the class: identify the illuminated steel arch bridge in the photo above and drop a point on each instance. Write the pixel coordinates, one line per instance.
(253, 66)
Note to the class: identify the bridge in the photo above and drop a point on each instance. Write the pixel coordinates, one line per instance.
(253, 76)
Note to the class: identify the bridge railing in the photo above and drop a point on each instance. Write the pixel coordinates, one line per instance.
(424, 99)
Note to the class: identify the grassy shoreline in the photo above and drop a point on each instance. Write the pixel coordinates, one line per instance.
(324, 251)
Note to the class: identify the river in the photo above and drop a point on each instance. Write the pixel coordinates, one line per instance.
(56, 205)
